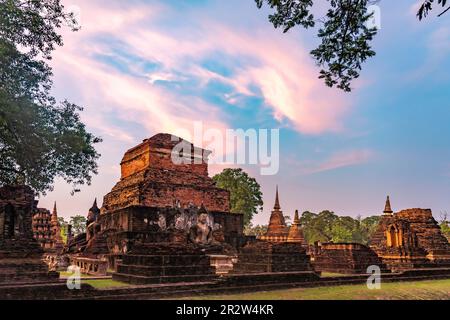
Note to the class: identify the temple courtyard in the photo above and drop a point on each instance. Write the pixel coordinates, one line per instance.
(410, 290)
(418, 290)
(166, 230)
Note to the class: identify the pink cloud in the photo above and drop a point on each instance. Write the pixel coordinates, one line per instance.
(281, 67)
(338, 160)
(117, 103)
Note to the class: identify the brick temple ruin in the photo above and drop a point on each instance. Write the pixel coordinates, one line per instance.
(169, 223)
(406, 240)
(279, 253)
(47, 232)
(152, 210)
(278, 231)
(20, 254)
(410, 239)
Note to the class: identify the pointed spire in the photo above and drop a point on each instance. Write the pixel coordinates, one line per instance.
(277, 201)
(55, 213)
(296, 218)
(387, 207)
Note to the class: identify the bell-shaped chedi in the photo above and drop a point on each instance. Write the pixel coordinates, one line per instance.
(277, 231)
(295, 230)
(163, 171)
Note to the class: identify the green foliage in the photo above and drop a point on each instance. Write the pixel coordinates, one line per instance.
(445, 225)
(63, 228)
(427, 6)
(245, 192)
(257, 231)
(327, 226)
(345, 43)
(40, 139)
(345, 38)
(78, 223)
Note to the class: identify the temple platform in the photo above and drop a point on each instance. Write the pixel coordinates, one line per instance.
(163, 262)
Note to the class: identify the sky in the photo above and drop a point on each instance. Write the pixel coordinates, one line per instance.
(143, 67)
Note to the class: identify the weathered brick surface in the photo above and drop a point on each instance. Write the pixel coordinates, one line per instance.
(428, 232)
(46, 230)
(151, 178)
(267, 257)
(410, 239)
(20, 253)
(350, 258)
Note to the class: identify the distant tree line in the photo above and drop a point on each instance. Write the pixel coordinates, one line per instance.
(326, 226)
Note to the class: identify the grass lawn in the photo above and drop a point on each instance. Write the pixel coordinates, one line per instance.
(64, 274)
(433, 290)
(105, 283)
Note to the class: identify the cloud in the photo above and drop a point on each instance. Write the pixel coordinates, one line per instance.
(338, 160)
(270, 64)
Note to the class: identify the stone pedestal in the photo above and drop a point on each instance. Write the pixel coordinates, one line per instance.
(261, 256)
(163, 263)
(223, 264)
(348, 258)
(21, 262)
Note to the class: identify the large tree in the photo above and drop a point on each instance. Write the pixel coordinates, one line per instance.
(327, 226)
(245, 192)
(78, 224)
(40, 139)
(344, 34)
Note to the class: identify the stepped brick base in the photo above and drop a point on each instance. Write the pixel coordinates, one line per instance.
(266, 257)
(21, 262)
(348, 258)
(163, 263)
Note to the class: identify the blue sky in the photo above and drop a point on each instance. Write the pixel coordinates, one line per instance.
(143, 67)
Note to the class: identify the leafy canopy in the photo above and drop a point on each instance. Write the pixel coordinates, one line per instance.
(245, 192)
(40, 139)
(326, 226)
(78, 224)
(343, 32)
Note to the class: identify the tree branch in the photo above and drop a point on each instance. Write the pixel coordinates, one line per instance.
(440, 14)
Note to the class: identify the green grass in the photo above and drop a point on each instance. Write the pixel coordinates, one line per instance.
(105, 283)
(332, 274)
(64, 274)
(420, 290)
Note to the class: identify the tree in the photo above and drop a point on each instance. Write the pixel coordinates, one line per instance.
(345, 37)
(257, 231)
(327, 226)
(318, 227)
(63, 228)
(40, 139)
(444, 224)
(245, 192)
(78, 223)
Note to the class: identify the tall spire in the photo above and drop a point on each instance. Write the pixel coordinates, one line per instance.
(387, 207)
(296, 218)
(277, 201)
(55, 213)
(295, 231)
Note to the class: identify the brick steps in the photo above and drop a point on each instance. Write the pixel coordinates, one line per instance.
(212, 288)
(139, 279)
